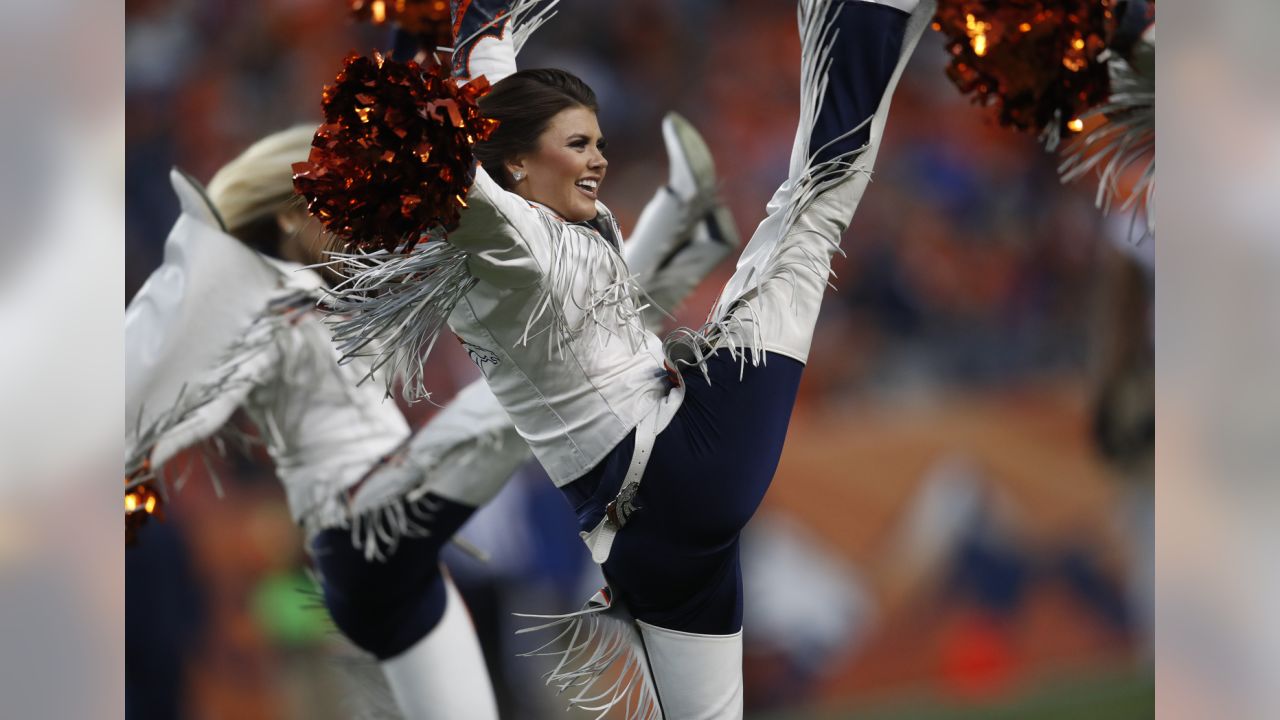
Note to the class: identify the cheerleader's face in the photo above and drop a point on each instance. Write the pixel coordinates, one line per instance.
(567, 169)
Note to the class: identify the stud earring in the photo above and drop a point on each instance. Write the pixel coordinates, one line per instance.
(517, 176)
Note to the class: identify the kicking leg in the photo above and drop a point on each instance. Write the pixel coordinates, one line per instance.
(854, 53)
(405, 611)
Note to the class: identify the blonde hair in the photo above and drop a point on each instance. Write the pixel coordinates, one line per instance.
(258, 184)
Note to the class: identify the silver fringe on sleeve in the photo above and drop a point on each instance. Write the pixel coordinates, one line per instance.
(393, 306)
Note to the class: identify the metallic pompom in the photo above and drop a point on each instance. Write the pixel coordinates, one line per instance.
(1040, 63)
(141, 502)
(428, 19)
(394, 159)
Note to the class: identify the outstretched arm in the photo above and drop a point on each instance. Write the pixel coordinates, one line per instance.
(203, 408)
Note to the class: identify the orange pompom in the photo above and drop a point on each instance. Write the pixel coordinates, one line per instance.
(394, 158)
(1037, 62)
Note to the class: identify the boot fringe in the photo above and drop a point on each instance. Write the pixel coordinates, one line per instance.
(732, 323)
(527, 17)
(523, 19)
(590, 642)
(408, 511)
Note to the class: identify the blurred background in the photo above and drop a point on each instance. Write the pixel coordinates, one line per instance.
(962, 522)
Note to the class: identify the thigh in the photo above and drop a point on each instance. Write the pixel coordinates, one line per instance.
(664, 583)
(712, 466)
(345, 571)
(675, 563)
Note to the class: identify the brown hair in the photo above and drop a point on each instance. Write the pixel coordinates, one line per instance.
(524, 104)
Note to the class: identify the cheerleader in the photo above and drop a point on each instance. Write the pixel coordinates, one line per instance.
(664, 450)
(230, 321)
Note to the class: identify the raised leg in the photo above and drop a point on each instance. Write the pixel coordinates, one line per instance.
(854, 53)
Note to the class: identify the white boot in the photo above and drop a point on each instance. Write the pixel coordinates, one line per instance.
(696, 677)
(683, 232)
(771, 303)
(443, 676)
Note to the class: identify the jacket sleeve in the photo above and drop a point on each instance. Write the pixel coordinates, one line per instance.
(485, 43)
(204, 408)
(508, 240)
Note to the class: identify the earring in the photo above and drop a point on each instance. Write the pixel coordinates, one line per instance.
(517, 176)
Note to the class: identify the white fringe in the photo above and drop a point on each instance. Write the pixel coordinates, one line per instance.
(408, 513)
(377, 531)
(392, 307)
(225, 377)
(524, 17)
(609, 307)
(1126, 138)
(807, 181)
(380, 531)
(595, 639)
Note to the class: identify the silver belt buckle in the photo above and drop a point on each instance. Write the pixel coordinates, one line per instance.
(620, 509)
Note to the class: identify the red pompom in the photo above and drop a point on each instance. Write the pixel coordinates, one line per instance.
(428, 19)
(1037, 62)
(394, 158)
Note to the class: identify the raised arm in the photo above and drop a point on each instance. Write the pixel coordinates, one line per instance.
(203, 406)
(504, 234)
(490, 33)
(196, 337)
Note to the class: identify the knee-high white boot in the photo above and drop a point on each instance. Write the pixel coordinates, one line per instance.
(771, 303)
(684, 231)
(443, 676)
(695, 677)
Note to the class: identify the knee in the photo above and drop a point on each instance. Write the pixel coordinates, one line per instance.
(386, 624)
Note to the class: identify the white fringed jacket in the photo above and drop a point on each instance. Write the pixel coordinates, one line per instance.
(554, 322)
(546, 308)
(219, 327)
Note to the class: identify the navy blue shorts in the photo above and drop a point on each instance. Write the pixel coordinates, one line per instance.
(387, 606)
(675, 563)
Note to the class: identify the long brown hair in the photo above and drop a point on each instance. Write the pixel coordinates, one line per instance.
(524, 104)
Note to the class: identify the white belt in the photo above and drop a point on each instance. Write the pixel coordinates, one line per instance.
(600, 540)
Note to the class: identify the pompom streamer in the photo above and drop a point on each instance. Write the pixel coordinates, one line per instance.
(1040, 64)
(394, 159)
